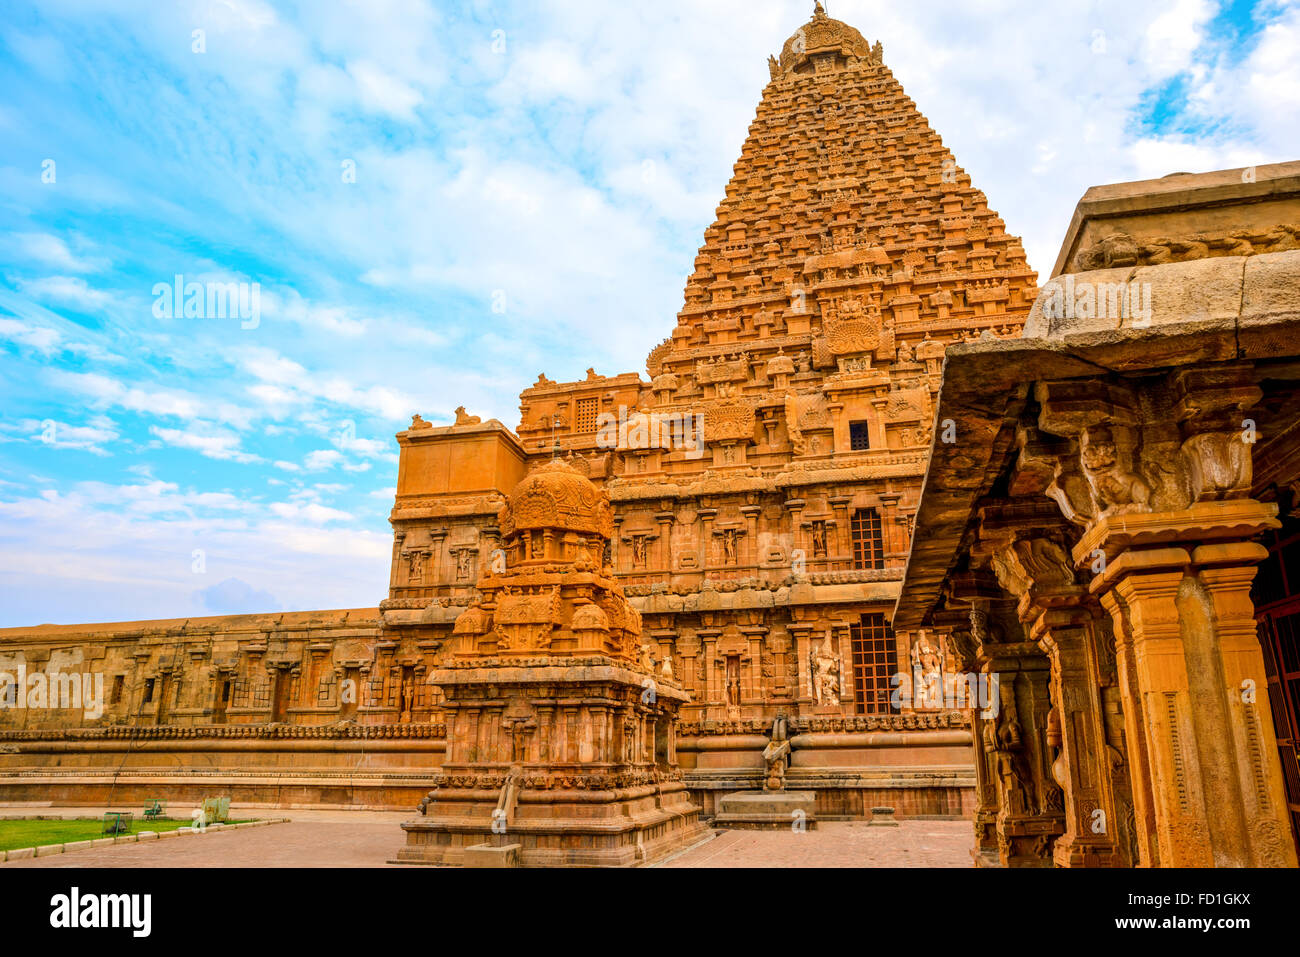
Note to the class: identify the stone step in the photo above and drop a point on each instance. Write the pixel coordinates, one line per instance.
(767, 810)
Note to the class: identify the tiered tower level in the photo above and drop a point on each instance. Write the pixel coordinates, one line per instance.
(763, 548)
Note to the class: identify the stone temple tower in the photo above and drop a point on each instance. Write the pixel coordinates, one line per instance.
(560, 723)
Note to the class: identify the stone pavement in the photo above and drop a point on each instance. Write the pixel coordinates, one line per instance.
(369, 838)
(309, 839)
(838, 844)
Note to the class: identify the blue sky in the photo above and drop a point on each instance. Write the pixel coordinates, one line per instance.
(438, 201)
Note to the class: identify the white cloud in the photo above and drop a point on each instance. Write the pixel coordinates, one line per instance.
(136, 546)
(384, 93)
(314, 513)
(1173, 36)
(68, 291)
(39, 338)
(322, 459)
(61, 435)
(105, 391)
(223, 446)
(50, 250)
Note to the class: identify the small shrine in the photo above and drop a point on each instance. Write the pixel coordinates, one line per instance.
(560, 724)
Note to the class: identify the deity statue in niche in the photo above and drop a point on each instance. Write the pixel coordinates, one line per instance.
(819, 539)
(733, 681)
(1003, 738)
(462, 564)
(826, 675)
(417, 568)
(638, 550)
(729, 545)
(406, 693)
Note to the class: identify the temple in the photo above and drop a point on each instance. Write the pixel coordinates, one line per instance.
(730, 587)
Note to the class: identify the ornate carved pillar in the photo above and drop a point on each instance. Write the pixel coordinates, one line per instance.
(962, 627)
(1030, 804)
(664, 546)
(843, 547)
(1061, 617)
(796, 506)
(748, 550)
(1158, 474)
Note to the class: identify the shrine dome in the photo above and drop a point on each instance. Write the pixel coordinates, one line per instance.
(822, 34)
(558, 497)
(589, 617)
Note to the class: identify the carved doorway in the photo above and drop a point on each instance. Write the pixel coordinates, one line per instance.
(164, 693)
(349, 692)
(281, 684)
(223, 701)
(1276, 593)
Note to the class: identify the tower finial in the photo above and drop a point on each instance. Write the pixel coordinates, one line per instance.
(818, 9)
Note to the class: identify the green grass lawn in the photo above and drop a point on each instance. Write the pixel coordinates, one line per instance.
(24, 832)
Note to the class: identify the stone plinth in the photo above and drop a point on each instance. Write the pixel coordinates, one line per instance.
(486, 855)
(768, 810)
(595, 783)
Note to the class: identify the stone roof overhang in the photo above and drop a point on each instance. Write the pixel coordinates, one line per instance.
(1125, 205)
(987, 383)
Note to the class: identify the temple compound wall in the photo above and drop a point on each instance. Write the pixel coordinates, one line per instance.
(764, 476)
(287, 709)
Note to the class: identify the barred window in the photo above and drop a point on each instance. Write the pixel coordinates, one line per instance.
(868, 544)
(584, 418)
(875, 661)
(859, 436)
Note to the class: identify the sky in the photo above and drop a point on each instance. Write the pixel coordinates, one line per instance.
(427, 204)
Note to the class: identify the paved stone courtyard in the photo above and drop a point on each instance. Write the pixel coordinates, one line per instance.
(370, 838)
(839, 844)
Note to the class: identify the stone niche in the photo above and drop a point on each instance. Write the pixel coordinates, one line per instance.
(560, 723)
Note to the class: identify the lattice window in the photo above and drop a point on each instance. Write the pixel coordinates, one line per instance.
(859, 436)
(585, 414)
(875, 661)
(868, 543)
(262, 692)
(381, 693)
(325, 690)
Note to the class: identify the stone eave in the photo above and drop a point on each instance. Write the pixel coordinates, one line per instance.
(1176, 192)
(418, 436)
(985, 382)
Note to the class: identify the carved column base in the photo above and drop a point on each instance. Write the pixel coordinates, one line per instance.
(1027, 841)
(1067, 853)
